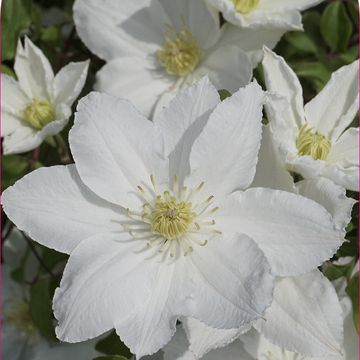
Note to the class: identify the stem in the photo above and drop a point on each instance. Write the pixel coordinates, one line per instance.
(63, 150)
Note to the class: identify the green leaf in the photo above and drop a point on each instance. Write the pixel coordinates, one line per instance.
(353, 291)
(16, 16)
(13, 168)
(333, 272)
(41, 310)
(51, 257)
(7, 70)
(336, 26)
(301, 42)
(312, 70)
(224, 94)
(350, 247)
(112, 345)
(51, 35)
(112, 357)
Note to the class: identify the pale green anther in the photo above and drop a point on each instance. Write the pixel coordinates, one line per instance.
(245, 6)
(312, 143)
(39, 113)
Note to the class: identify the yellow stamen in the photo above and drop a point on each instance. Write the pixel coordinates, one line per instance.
(245, 6)
(39, 113)
(312, 143)
(180, 53)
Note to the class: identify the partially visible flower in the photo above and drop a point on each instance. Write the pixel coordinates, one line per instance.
(158, 219)
(21, 338)
(283, 14)
(314, 140)
(38, 104)
(156, 47)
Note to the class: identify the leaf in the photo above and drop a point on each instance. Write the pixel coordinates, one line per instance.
(51, 35)
(333, 272)
(336, 26)
(111, 358)
(350, 247)
(41, 310)
(301, 42)
(15, 18)
(112, 345)
(353, 291)
(312, 70)
(51, 257)
(224, 94)
(7, 70)
(13, 168)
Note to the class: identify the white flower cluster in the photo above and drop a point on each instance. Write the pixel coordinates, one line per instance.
(184, 207)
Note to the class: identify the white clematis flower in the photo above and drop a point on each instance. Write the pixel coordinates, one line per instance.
(283, 14)
(156, 47)
(38, 104)
(305, 315)
(313, 140)
(20, 338)
(158, 222)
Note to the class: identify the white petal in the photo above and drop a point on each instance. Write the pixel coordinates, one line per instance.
(334, 108)
(188, 13)
(331, 196)
(229, 259)
(270, 169)
(345, 150)
(69, 82)
(250, 40)
(113, 28)
(281, 80)
(115, 148)
(14, 100)
(351, 337)
(305, 166)
(203, 338)
(33, 70)
(225, 153)
(228, 67)
(295, 233)
(284, 5)
(183, 120)
(347, 177)
(9, 123)
(305, 316)
(138, 81)
(63, 211)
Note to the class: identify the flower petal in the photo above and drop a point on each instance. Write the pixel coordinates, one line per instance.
(228, 67)
(346, 177)
(285, 5)
(345, 150)
(115, 148)
(250, 40)
(229, 259)
(63, 211)
(281, 80)
(69, 82)
(305, 316)
(203, 338)
(331, 196)
(183, 120)
(188, 13)
(9, 123)
(270, 169)
(122, 27)
(33, 70)
(225, 153)
(138, 81)
(335, 107)
(282, 223)
(14, 100)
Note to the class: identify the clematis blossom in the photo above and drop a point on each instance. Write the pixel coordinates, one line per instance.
(158, 220)
(314, 140)
(283, 14)
(38, 104)
(153, 48)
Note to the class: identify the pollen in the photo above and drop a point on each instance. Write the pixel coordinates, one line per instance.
(310, 142)
(180, 52)
(39, 113)
(170, 218)
(245, 6)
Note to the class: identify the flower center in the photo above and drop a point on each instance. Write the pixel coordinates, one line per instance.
(312, 143)
(180, 52)
(20, 317)
(245, 6)
(173, 220)
(39, 113)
